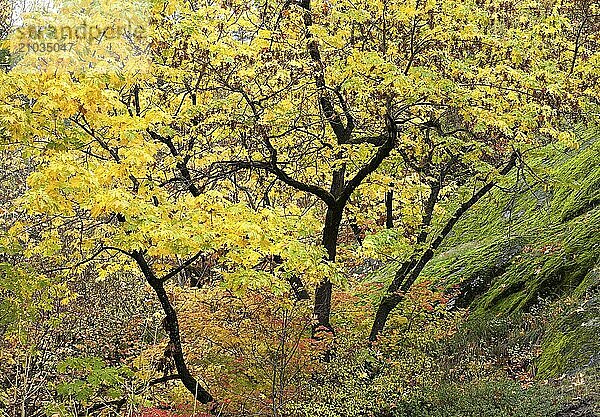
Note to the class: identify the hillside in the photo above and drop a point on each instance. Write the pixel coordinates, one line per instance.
(526, 262)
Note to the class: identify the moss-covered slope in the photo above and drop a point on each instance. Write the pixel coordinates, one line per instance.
(516, 251)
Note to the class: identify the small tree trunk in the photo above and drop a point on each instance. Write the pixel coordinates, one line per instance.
(322, 308)
(356, 230)
(392, 297)
(389, 302)
(389, 209)
(172, 327)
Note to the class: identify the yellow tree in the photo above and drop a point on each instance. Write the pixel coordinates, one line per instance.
(324, 92)
(5, 23)
(169, 132)
(107, 188)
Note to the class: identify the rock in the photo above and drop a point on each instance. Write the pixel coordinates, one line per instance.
(579, 409)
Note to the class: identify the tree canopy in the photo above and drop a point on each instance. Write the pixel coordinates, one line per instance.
(235, 143)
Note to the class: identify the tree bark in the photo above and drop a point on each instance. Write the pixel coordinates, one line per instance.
(392, 298)
(389, 209)
(388, 303)
(322, 308)
(185, 376)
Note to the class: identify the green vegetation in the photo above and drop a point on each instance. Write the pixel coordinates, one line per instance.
(542, 251)
(527, 264)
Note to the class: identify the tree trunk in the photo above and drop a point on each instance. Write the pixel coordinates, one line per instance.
(356, 230)
(392, 297)
(389, 302)
(331, 229)
(322, 309)
(389, 209)
(172, 328)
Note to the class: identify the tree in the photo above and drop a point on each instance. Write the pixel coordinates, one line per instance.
(535, 67)
(103, 185)
(238, 129)
(327, 90)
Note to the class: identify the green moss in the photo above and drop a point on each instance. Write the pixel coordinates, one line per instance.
(513, 251)
(579, 191)
(571, 343)
(549, 269)
(591, 282)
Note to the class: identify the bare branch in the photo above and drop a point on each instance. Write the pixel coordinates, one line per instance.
(181, 267)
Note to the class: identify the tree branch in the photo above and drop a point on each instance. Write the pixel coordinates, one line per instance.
(273, 167)
(181, 165)
(342, 133)
(180, 267)
(382, 153)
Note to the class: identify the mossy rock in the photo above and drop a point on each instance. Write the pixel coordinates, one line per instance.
(549, 270)
(572, 344)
